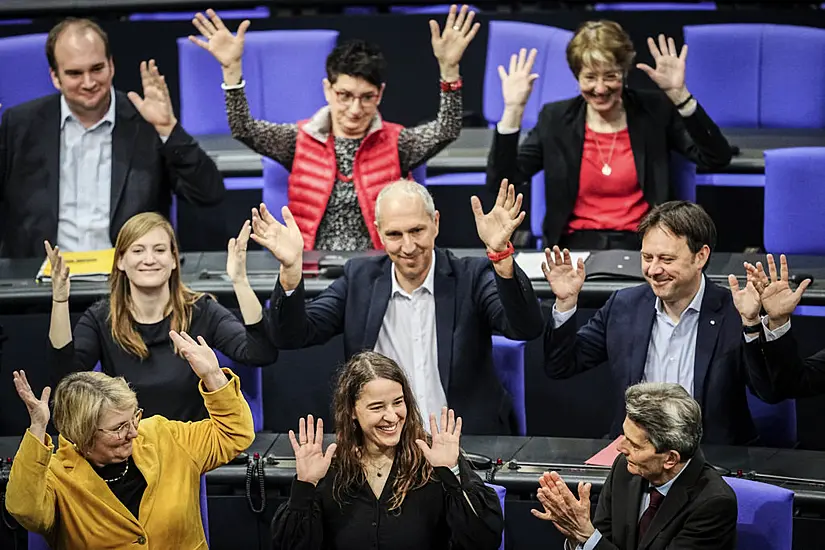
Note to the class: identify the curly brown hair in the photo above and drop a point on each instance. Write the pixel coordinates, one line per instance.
(413, 470)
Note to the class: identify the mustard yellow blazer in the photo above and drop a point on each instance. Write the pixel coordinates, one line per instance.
(62, 498)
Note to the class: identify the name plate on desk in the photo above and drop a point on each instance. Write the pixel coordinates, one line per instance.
(91, 266)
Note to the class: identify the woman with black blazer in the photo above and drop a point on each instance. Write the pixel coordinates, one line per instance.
(605, 153)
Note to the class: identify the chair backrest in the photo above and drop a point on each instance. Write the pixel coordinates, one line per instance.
(794, 201)
(291, 68)
(501, 493)
(276, 187)
(260, 12)
(508, 360)
(435, 9)
(251, 387)
(775, 423)
(505, 39)
(727, 85)
(25, 70)
(791, 94)
(655, 6)
(765, 518)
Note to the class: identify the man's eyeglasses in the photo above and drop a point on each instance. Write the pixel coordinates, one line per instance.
(344, 97)
(123, 430)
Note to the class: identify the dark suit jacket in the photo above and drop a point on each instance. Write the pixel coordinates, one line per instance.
(779, 361)
(698, 512)
(619, 334)
(555, 145)
(145, 172)
(471, 302)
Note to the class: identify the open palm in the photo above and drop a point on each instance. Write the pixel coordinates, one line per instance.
(669, 73)
(778, 299)
(311, 462)
(236, 254)
(59, 273)
(566, 280)
(38, 408)
(197, 353)
(449, 45)
(283, 240)
(156, 105)
(517, 82)
(746, 299)
(445, 442)
(496, 227)
(220, 42)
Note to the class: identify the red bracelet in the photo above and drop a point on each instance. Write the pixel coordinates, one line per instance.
(452, 86)
(498, 256)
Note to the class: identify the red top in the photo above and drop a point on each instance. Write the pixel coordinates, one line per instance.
(614, 202)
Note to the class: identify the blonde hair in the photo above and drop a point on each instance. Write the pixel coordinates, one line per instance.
(80, 400)
(600, 43)
(181, 298)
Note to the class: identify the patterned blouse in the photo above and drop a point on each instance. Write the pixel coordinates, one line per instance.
(343, 226)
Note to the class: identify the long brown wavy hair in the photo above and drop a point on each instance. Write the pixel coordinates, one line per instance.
(413, 470)
(181, 298)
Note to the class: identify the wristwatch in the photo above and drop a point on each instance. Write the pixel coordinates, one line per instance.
(752, 329)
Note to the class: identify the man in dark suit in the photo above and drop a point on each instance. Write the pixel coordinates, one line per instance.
(679, 328)
(430, 311)
(771, 347)
(660, 492)
(75, 166)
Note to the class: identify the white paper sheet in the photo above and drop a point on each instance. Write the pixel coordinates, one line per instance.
(530, 262)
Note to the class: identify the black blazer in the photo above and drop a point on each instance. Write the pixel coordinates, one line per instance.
(471, 302)
(698, 512)
(779, 361)
(556, 143)
(145, 172)
(619, 334)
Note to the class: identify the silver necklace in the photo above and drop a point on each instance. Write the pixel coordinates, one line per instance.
(121, 476)
(606, 169)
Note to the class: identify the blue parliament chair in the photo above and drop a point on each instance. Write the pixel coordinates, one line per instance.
(508, 361)
(25, 69)
(501, 493)
(259, 12)
(775, 423)
(654, 6)
(765, 517)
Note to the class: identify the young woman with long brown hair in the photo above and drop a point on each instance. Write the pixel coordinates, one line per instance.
(384, 480)
(128, 332)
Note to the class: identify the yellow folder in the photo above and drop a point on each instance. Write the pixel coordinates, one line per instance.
(92, 265)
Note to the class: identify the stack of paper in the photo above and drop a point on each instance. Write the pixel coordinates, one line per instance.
(91, 266)
(530, 262)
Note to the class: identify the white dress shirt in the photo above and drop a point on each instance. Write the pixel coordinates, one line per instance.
(408, 336)
(85, 181)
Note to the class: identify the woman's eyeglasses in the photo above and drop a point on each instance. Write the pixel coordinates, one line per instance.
(123, 430)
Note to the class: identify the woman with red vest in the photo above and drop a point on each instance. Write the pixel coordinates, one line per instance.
(341, 158)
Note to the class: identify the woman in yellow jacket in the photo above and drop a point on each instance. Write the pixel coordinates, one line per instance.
(117, 482)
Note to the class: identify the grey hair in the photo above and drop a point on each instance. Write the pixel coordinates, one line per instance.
(409, 188)
(671, 417)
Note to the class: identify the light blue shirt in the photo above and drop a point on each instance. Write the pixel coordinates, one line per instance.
(671, 351)
(85, 181)
(594, 539)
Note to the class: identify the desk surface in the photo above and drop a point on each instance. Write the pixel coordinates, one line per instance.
(469, 152)
(205, 272)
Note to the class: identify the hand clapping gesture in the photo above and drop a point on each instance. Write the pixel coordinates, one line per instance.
(746, 300)
(156, 106)
(38, 408)
(60, 274)
(445, 448)
(497, 226)
(669, 74)
(236, 254)
(311, 462)
(565, 280)
(449, 45)
(775, 293)
(517, 83)
(570, 515)
(220, 42)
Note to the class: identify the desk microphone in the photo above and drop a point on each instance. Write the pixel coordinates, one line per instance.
(254, 467)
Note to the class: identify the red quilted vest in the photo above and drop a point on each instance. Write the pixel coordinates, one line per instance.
(315, 168)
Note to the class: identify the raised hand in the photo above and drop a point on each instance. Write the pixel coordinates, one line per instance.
(669, 74)
(311, 462)
(778, 299)
(496, 227)
(444, 449)
(220, 42)
(449, 45)
(156, 106)
(198, 354)
(60, 273)
(236, 254)
(746, 300)
(38, 408)
(565, 280)
(284, 241)
(517, 83)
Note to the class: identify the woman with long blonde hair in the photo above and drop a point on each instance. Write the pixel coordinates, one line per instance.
(385, 479)
(128, 332)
